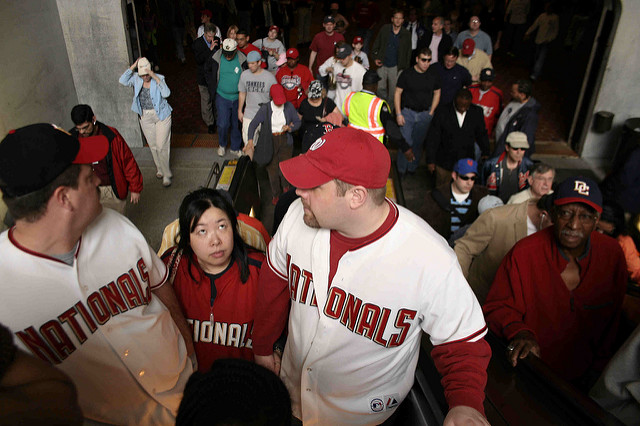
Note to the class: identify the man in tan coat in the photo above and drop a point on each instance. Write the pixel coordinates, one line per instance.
(492, 235)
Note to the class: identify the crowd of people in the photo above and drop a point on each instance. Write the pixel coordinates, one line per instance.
(335, 301)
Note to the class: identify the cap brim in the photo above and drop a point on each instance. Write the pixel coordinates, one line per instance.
(299, 172)
(92, 149)
(569, 200)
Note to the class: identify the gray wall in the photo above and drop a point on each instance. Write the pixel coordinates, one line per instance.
(620, 90)
(35, 76)
(95, 36)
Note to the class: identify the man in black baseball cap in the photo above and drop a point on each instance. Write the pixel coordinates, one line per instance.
(558, 293)
(83, 276)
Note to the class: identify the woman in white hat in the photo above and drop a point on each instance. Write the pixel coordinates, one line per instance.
(150, 103)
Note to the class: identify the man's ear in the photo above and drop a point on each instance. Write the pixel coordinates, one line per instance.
(358, 196)
(61, 197)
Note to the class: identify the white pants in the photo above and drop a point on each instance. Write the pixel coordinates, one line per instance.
(245, 131)
(158, 135)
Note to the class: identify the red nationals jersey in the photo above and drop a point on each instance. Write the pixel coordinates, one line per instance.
(491, 104)
(233, 304)
(295, 82)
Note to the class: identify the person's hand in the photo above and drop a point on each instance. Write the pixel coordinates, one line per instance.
(135, 197)
(400, 120)
(329, 70)
(378, 62)
(463, 415)
(267, 361)
(277, 362)
(287, 127)
(240, 115)
(521, 346)
(409, 155)
(134, 65)
(320, 119)
(249, 149)
(431, 167)
(152, 74)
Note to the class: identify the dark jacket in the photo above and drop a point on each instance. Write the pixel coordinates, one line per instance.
(491, 173)
(202, 53)
(445, 43)
(526, 121)
(447, 142)
(451, 81)
(123, 170)
(404, 45)
(436, 210)
(263, 116)
(212, 69)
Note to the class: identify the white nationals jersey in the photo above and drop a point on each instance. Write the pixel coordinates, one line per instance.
(98, 322)
(353, 344)
(347, 80)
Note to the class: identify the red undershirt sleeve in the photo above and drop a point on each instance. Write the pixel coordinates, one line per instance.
(463, 367)
(272, 308)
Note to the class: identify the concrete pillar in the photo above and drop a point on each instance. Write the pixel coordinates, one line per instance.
(96, 43)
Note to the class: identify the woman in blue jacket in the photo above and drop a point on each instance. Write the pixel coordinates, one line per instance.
(150, 93)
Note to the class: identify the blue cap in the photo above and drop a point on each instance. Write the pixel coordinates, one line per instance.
(254, 56)
(465, 165)
(579, 189)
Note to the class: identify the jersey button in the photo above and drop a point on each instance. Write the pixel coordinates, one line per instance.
(309, 369)
(141, 373)
(308, 389)
(126, 353)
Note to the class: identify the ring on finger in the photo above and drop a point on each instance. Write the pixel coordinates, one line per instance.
(510, 348)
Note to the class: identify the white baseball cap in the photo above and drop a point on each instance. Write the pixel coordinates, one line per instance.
(143, 66)
(229, 45)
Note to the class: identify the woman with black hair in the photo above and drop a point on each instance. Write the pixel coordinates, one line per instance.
(215, 277)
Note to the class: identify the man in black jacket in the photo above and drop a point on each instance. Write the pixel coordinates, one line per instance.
(439, 42)
(453, 133)
(451, 207)
(203, 48)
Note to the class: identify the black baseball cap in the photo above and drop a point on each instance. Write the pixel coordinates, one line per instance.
(33, 156)
(328, 19)
(343, 51)
(487, 74)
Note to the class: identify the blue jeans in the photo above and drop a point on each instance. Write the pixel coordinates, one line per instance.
(228, 121)
(414, 132)
(540, 56)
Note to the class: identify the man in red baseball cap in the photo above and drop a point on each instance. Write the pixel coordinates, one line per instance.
(359, 278)
(294, 78)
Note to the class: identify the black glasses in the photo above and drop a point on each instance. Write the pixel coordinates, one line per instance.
(425, 59)
(473, 178)
(517, 149)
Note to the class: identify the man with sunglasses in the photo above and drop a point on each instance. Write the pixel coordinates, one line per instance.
(454, 205)
(416, 97)
(507, 174)
(558, 293)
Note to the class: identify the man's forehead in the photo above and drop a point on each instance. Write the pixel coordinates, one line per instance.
(578, 207)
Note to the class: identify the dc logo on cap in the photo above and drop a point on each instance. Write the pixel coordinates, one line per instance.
(317, 144)
(581, 188)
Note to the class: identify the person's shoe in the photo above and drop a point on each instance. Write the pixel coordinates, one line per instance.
(274, 200)
(212, 129)
(159, 174)
(237, 153)
(221, 151)
(166, 181)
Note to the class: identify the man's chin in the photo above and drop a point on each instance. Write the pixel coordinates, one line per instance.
(311, 221)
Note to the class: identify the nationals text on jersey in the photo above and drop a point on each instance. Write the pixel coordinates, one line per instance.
(53, 342)
(223, 334)
(366, 319)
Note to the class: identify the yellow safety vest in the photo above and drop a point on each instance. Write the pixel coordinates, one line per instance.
(363, 111)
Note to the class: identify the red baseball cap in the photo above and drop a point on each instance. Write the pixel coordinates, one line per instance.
(357, 39)
(348, 154)
(274, 27)
(292, 53)
(467, 47)
(277, 94)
